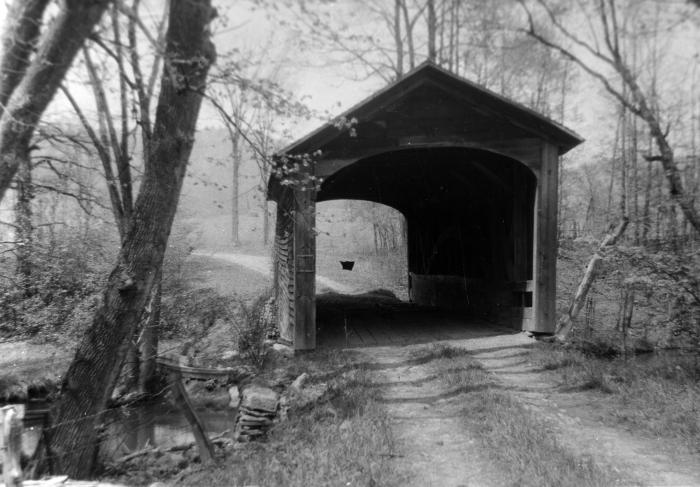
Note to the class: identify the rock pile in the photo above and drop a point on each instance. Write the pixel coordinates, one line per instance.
(256, 412)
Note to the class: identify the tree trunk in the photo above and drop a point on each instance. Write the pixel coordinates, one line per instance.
(148, 342)
(21, 33)
(432, 31)
(398, 41)
(408, 25)
(566, 323)
(42, 78)
(90, 378)
(235, 210)
(626, 310)
(24, 233)
(266, 221)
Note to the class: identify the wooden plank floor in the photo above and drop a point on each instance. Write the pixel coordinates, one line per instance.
(360, 326)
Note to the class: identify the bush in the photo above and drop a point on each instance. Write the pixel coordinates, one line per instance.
(67, 276)
(258, 323)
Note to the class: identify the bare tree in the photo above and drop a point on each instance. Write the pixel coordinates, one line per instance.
(36, 80)
(630, 94)
(92, 374)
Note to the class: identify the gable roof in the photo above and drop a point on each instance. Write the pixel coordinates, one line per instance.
(473, 94)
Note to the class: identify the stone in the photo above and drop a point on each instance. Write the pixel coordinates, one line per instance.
(260, 398)
(230, 354)
(256, 413)
(299, 382)
(283, 350)
(234, 397)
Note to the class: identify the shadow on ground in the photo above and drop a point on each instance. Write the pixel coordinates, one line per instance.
(378, 318)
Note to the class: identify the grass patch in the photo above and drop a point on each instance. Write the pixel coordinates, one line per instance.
(526, 446)
(523, 445)
(344, 439)
(437, 352)
(658, 394)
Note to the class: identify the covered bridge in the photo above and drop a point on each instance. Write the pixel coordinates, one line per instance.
(475, 176)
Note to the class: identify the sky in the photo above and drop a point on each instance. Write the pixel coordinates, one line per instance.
(330, 88)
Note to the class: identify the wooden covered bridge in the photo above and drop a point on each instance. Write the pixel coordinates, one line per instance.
(475, 176)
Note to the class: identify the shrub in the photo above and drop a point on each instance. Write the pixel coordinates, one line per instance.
(254, 328)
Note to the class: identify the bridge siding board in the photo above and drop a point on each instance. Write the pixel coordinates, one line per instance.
(284, 267)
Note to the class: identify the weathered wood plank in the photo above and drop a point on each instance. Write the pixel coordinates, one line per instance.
(545, 243)
(305, 270)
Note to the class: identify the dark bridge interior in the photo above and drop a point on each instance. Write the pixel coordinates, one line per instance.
(469, 214)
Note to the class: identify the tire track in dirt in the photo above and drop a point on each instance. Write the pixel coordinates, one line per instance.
(434, 447)
(648, 461)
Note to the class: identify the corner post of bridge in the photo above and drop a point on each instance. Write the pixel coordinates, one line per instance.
(545, 240)
(304, 268)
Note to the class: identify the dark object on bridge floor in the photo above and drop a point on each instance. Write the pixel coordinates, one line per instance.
(347, 264)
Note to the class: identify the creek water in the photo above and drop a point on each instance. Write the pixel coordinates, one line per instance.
(156, 424)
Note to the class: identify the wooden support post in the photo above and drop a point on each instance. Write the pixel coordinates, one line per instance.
(304, 269)
(545, 242)
(12, 446)
(284, 266)
(204, 444)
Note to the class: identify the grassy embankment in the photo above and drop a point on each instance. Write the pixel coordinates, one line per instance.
(522, 444)
(658, 394)
(344, 438)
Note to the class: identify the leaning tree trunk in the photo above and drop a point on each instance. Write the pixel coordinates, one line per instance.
(91, 376)
(566, 323)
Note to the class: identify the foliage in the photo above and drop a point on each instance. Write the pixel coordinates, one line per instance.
(68, 271)
(656, 393)
(344, 439)
(664, 288)
(253, 326)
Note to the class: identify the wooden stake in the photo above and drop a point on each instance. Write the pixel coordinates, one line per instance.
(12, 446)
(204, 444)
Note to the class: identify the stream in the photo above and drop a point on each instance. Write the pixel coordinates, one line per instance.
(155, 424)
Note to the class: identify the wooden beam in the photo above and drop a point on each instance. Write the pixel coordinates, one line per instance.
(304, 269)
(12, 446)
(523, 150)
(284, 266)
(545, 242)
(204, 444)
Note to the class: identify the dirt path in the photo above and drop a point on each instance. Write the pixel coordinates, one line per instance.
(261, 264)
(433, 447)
(577, 415)
(436, 449)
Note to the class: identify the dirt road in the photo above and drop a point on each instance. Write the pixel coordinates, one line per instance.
(436, 449)
(262, 264)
